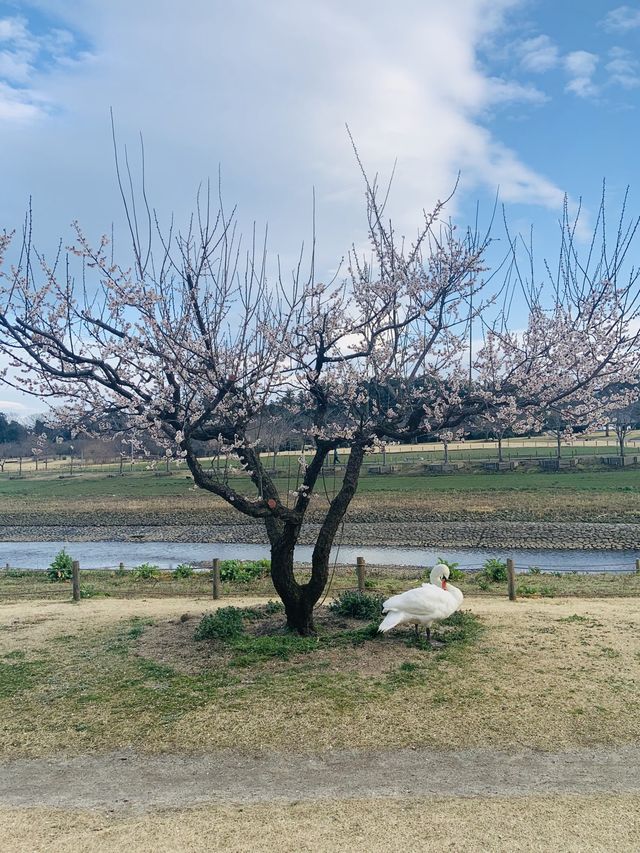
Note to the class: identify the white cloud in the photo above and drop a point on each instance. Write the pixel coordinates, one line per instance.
(21, 54)
(507, 91)
(19, 105)
(580, 65)
(623, 68)
(539, 54)
(265, 89)
(13, 29)
(622, 19)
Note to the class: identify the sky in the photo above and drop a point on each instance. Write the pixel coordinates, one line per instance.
(528, 100)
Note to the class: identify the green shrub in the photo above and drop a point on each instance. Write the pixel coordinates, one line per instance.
(145, 571)
(61, 568)
(358, 605)
(526, 589)
(494, 570)
(272, 607)
(224, 624)
(182, 570)
(244, 571)
(455, 574)
(534, 570)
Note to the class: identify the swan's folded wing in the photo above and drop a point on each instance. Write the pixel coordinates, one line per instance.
(421, 601)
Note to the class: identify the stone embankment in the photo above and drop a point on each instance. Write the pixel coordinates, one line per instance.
(476, 534)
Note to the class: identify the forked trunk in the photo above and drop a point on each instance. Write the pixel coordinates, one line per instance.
(298, 599)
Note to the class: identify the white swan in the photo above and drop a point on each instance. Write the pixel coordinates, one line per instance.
(434, 600)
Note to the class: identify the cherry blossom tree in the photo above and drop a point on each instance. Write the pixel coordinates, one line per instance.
(191, 341)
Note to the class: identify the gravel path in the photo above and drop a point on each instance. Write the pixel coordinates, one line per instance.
(126, 780)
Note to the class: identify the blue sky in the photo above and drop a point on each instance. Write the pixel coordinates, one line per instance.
(526, 97)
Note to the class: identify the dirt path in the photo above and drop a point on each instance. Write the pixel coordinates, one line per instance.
(125, 780)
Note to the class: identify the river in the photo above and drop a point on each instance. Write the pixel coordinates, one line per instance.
(166, 555)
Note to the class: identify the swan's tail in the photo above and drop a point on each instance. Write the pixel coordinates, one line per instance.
(393, 618)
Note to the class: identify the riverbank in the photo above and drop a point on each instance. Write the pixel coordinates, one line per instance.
(428, 534)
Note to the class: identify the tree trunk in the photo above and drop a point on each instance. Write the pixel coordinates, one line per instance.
(298, 599)
(499, 448)
(621, 440)
(446, 453)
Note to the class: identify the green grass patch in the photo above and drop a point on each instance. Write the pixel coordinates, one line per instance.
(358, 605)
(20, 676)
(460, 629)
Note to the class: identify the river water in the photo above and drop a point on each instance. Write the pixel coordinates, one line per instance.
(166, 555)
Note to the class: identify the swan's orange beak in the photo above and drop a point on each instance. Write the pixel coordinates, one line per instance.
(444, 583)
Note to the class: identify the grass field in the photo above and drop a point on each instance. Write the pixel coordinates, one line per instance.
(111, 674)
(573, 495)
(125, 673)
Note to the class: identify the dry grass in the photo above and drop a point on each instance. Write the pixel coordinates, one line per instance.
(538, 677)
(550, 674)
(563, 824)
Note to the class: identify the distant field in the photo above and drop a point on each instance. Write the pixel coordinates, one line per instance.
(539, 447)
(571, 495)
(146, 484)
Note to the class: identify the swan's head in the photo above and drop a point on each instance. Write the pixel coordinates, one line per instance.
(440, 575)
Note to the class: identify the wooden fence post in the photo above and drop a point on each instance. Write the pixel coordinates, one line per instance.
(216, 577)
(637, 567)
(360, 568)
(511, 577)
(75, 579)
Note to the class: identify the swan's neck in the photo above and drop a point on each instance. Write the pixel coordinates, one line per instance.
(436, 576)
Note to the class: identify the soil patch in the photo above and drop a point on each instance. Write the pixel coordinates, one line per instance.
(124, 780)
(170, 642)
